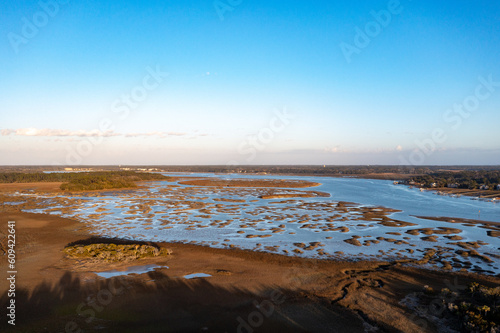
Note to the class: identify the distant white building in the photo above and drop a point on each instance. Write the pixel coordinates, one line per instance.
(453, 185)
(498, 187)
(484, 187)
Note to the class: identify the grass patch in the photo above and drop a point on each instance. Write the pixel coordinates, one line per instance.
(84, 181)
(114, 252)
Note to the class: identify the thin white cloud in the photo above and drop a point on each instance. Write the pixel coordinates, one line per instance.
(336, 149)
(6, 132)
(46, 132)
(136, 135)
(157, 134)
(339, 149)
(176, 134)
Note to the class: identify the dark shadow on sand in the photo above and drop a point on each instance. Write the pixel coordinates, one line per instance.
(158, 303)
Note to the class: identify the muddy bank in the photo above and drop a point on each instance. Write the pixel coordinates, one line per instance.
(239, 288)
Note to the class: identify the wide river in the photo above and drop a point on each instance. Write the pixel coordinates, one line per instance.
(411, 201)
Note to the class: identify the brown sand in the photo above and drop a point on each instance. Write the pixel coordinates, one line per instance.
(299, 295)
(38, 187)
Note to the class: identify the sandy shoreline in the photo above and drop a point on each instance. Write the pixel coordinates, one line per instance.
(305, 294)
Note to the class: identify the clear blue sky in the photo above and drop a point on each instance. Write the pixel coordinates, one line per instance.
(353, 90)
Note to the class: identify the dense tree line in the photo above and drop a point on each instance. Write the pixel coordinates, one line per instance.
(462, 179)
(79, 181)
(295, 169)
(333, 170)
(303, 169)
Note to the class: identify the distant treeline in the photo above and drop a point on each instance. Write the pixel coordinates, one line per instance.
(461, 179)
(83, 181)
(302, 169)
(326, 170)
(283, 169)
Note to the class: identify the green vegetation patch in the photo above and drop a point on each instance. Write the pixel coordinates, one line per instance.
(463, 179)
(113, 252)
(84, 181)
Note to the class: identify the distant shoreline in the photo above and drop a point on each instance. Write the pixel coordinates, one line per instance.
(486, 195)
(378, 173)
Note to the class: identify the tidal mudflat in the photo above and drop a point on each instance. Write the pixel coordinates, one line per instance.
(314, 217)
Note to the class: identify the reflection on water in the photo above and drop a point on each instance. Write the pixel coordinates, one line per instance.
(196, 275)
(129, 270)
